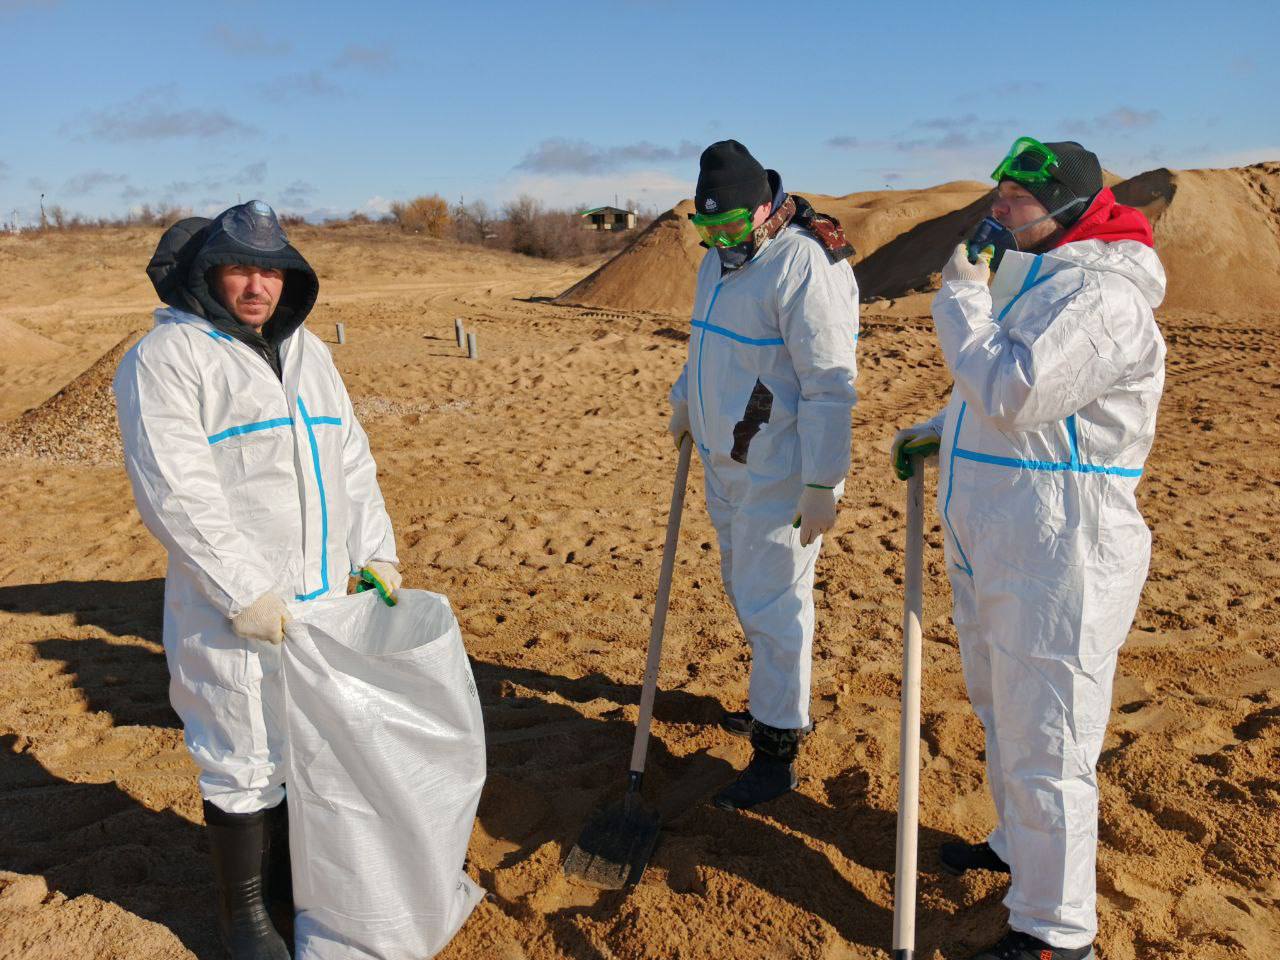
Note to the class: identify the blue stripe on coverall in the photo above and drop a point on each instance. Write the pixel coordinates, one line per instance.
(1071, 466)
(309, 422)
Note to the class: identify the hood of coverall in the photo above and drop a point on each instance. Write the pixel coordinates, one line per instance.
(190, 250)
(1117, 239)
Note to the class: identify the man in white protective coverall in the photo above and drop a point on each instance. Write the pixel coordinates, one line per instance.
(248, 464)
(767, 394)
(1058, 370)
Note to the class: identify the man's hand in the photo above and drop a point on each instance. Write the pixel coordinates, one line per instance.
(922, 440)
(383, 577)
(679, 424)
(959, 268)
(815, 513)
(262, 620)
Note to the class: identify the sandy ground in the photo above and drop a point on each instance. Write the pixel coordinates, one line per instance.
(532, 488)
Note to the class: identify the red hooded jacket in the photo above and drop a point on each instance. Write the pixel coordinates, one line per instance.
(1109, 221)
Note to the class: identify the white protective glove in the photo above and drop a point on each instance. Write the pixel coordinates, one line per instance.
(383, 577)
(679, 424)
(815, 513)
(959, 269)
(262, 620)
(923, 439)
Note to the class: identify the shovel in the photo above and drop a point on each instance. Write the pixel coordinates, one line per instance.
(617, 842)
(904, 885)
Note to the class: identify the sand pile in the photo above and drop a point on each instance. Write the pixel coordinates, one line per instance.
(657, 271)
(23, 346)
(1218, 234)
(78, 423)
(654, 272)
(903, 237)
(908, 261)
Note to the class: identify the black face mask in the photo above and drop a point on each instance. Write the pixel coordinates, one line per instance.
(992, 233)
(731, 258)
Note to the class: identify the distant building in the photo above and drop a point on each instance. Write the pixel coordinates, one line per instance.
(608, 218)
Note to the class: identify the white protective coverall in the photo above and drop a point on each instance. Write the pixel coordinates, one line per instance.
(769, 390)
(1058, 371)
(252, 485)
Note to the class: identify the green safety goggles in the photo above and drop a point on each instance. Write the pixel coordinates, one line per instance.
(726, 229)
(1028, 161)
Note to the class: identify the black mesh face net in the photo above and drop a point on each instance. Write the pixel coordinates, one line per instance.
(254, 224)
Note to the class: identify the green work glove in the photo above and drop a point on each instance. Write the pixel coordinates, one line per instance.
(923, 439)
(383, 577)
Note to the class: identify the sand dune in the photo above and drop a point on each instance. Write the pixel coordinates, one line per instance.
(1218, 233)
(1217, 230)
(531, 487)
(657, 271)
(24, 347)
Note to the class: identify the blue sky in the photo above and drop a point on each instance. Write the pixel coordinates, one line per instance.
(322, 108)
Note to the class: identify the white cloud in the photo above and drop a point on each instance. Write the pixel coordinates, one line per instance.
(154, 115)
(375, 207)
(558, 155)
(247, 43)
(649, 188)
(355, 56)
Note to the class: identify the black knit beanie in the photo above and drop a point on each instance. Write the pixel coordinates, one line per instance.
(1078, 174)
(730, 177)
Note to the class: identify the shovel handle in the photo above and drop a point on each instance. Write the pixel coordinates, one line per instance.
(904, 884)
(650, 687)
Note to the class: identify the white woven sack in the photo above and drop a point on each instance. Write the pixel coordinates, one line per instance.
(386, 760)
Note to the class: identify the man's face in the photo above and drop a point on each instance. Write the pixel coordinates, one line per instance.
(1015, 207)
(249, 293)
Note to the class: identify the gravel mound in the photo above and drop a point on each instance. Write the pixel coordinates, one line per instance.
(78, 423)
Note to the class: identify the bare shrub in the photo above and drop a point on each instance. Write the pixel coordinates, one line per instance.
(529, 228)
(473, 223)
(427, 215)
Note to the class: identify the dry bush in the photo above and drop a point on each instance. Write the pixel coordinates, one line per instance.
(427, 215)
(529, 228)
(473, 223)
(58, 218)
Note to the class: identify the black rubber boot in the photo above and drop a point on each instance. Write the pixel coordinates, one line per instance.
(277, 870)
(769, 774)
(959, 857)
(740, 723)
(239, 845)
(1021, 946)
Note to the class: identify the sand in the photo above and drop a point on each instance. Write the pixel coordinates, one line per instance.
(657, 271)
(1218, 233)
(1217, 230)
(531, 487)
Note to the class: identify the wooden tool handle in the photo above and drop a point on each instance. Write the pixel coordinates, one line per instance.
(650, 687)
(904, 885)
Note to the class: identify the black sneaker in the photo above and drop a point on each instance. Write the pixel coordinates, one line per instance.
(958, 857)
(1015, 945)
